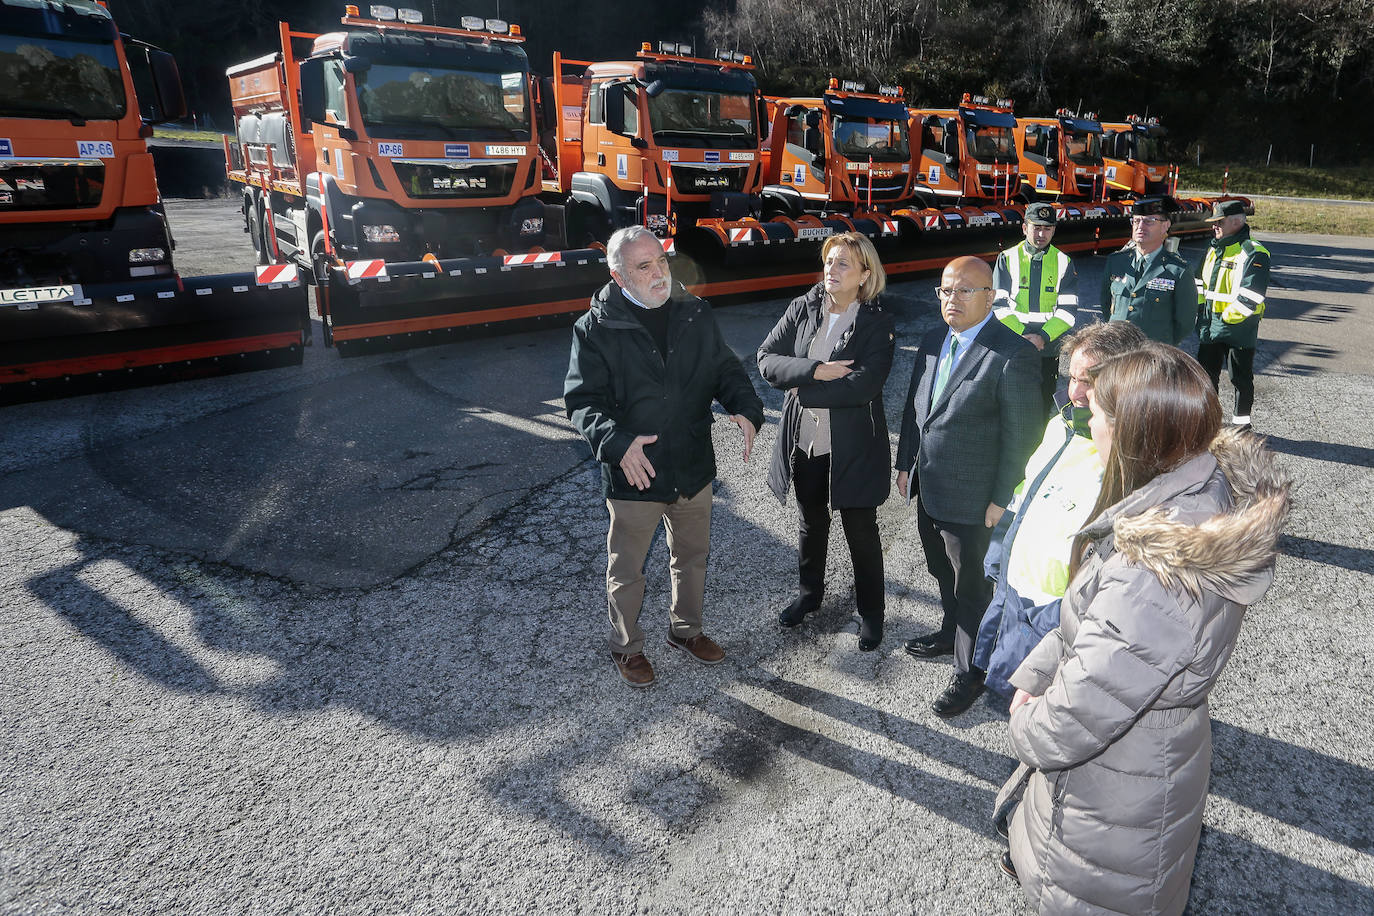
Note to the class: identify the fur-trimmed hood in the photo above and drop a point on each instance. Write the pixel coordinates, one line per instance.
(1171, 526)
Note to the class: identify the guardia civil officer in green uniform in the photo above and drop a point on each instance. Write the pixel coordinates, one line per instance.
(1037, 293)
(1231, 283)
(1147, 284)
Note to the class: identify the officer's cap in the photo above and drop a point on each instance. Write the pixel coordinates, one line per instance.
(1224, 208)
(1041, 214)
(1150, 206)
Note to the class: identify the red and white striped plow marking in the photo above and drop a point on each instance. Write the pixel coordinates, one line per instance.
(277, 273)
(889, 226)
(740, 235)
(669, 247)
(532, 260)
(366, 270)
(930, 222)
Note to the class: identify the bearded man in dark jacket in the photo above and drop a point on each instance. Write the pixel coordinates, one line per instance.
(647, 361)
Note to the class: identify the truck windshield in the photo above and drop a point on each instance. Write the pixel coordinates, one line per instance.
(1149, 149)
(861, 138)
(54, 78)
(1083, 147)
(701, 117)
(991, 144)
(400, 100)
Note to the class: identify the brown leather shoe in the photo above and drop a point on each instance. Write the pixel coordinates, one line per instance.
(635, 670)
(701, 647)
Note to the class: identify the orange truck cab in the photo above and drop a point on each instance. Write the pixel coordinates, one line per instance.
(388, 140)
(79, 199)
(967, 154)
(662, 141)
(1061, 157)
(840, 153)
(1136, 164)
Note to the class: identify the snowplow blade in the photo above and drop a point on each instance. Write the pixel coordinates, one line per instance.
(64, 340)
(385, 305)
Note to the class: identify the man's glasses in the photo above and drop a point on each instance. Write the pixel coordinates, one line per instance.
(962, 293)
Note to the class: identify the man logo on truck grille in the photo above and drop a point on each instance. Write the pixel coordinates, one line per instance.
(711, 181)
(460, 183)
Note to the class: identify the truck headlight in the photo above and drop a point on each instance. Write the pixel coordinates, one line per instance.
(382, 233)
(147, 255)
(532, 226)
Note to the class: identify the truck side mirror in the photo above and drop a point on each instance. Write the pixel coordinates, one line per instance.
(155, 73)
(312, 90)
(811, 139)
(167, 83)
(616, 97)
(356, 64)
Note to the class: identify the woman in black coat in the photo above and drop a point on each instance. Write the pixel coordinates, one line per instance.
(831, 353)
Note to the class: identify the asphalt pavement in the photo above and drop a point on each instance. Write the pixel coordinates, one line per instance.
(329, 639)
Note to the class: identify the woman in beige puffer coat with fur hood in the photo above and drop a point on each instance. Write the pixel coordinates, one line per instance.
(1110, 718)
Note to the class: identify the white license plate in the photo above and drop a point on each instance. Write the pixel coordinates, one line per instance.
(815, 232)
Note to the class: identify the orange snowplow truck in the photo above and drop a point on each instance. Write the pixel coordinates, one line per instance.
(379, 151)
(88, 294)
(666, 140)
(967, 154)
(1135, 162)
(1061, 157)
(844, 152)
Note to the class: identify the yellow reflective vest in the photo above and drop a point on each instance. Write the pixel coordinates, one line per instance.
(1051, 308)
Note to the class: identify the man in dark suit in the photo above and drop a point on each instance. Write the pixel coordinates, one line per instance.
(972, 418)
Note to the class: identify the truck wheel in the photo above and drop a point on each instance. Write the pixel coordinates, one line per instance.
(264, 240)
(319, 259)
(256, 234)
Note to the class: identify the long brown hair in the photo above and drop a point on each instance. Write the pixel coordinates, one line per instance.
(1163, 411)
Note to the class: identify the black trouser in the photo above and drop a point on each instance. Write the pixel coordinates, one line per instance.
(811, 477)
(1242, 360)
(1049, 379)
(954, 556)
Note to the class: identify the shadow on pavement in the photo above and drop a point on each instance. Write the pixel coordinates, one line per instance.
(1356, 559)
(1247, 878)
(137, 645)
(1355, 455)
(1303, 788)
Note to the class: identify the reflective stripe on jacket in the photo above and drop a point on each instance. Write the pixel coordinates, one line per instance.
(1055, 308)
(1231, 284)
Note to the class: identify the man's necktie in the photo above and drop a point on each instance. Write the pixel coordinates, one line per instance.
(942, 371)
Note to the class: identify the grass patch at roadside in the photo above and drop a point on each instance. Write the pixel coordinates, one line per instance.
(1343, 183)
(1318, 219)
(163, 132)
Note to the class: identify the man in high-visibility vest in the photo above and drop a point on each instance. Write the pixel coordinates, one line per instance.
(1231, 283)
(1037, 293)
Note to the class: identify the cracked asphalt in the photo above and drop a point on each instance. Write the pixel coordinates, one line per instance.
(328, 639)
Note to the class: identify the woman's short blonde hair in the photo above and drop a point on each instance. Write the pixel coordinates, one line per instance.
(862, 249)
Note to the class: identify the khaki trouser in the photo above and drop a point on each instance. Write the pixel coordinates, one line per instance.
(687, 524)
